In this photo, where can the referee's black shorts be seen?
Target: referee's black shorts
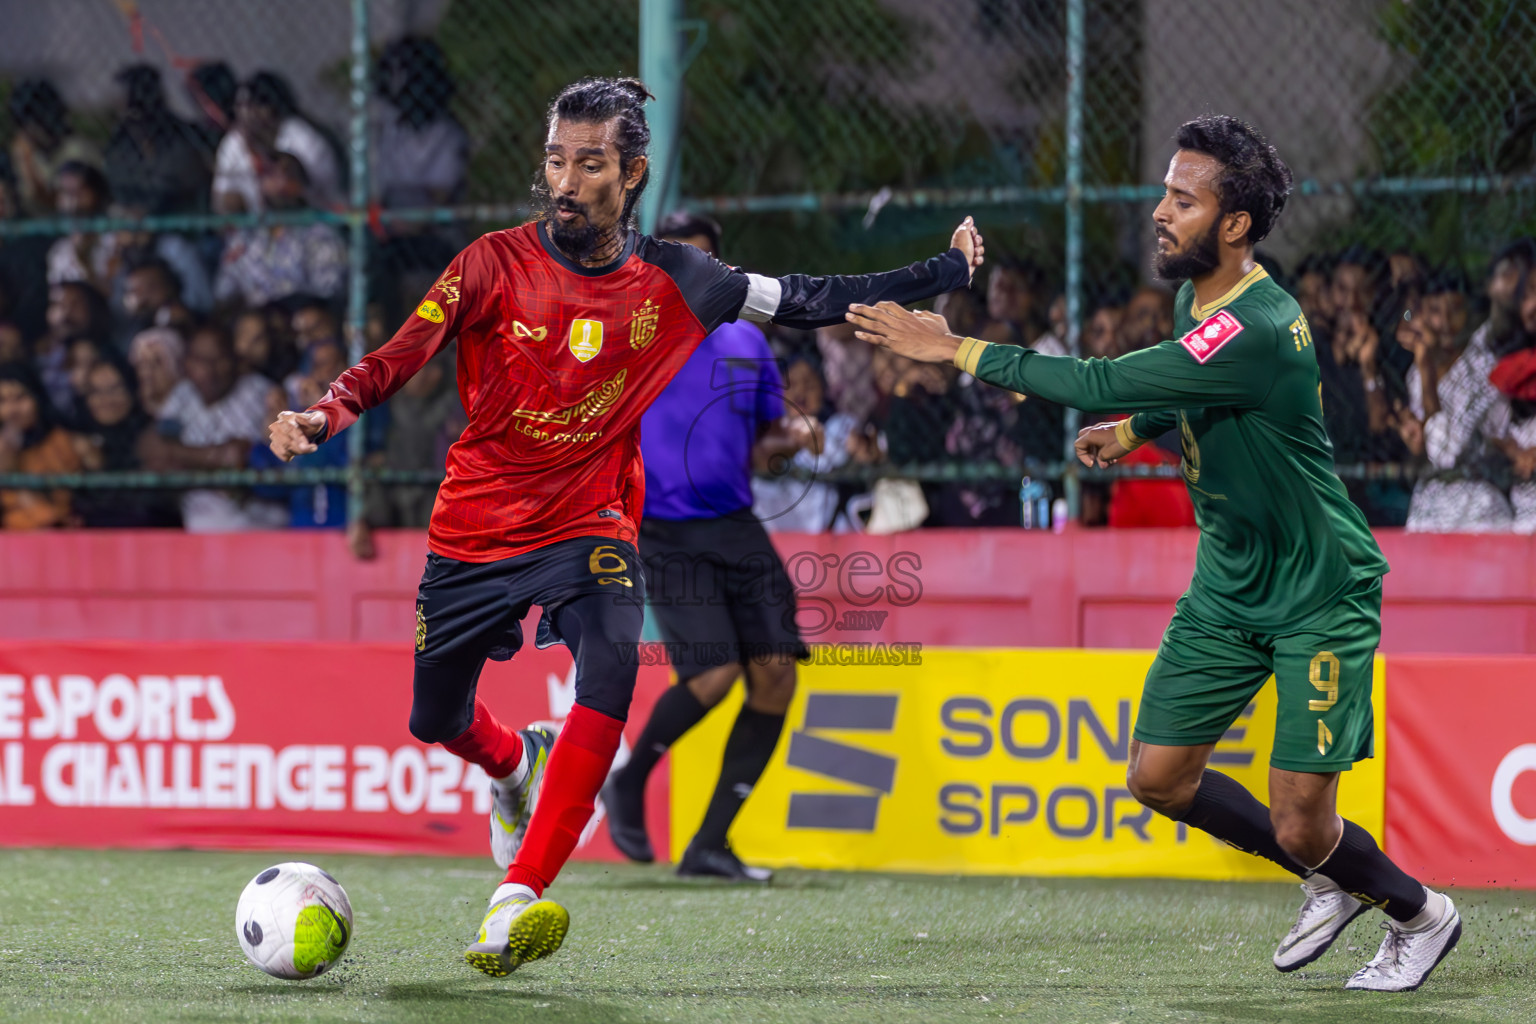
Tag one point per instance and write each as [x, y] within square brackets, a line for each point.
[719, 593]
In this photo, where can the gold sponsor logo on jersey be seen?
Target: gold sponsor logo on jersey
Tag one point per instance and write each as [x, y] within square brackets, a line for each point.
[642, 328]
[449, 286]
[430, 310]
[586, 338]
[591, 405]
[522, 330]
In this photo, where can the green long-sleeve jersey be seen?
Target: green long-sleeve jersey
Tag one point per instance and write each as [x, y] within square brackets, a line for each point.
[1280, 541]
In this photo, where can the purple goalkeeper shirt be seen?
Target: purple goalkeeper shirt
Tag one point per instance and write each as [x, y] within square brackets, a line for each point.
[697, 437]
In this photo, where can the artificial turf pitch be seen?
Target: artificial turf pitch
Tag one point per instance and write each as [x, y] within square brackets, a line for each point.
[118, 936]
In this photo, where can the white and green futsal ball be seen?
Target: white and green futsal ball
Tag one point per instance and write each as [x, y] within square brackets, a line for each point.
[294, 921]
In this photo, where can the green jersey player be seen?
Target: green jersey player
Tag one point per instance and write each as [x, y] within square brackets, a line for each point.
[1287, 579]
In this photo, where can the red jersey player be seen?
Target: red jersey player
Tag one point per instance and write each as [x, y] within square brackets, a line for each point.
[568, 327]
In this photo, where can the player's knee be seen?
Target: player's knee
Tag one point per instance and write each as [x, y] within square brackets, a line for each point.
[710, 686]
[1307, 837]
[1290, 834]
[605, 682]
[771, 686]
[1167, 795]
[437, 725]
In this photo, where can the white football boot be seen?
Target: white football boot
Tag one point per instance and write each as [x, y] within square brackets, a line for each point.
[512, 805]
[1406, 957]
[517, 929]
[1323, 917]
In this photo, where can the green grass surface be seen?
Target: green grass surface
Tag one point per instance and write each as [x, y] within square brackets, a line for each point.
[112, 936]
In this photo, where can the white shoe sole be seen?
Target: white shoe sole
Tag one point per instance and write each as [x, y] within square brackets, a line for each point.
[535, 934]
[1444, 952]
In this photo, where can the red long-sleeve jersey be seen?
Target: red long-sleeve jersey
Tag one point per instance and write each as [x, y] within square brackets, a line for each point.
[557, 362]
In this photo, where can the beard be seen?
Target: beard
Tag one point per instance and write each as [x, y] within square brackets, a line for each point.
[1202, 257]
[578, 240]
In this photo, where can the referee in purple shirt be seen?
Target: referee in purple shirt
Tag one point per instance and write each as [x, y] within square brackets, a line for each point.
[714, 583]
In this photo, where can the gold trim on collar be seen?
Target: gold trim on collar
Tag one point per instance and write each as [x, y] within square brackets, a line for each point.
[1200, 312]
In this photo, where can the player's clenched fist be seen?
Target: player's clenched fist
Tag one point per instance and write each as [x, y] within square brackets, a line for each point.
[292, 433]
[1099, 446]
[967, 238]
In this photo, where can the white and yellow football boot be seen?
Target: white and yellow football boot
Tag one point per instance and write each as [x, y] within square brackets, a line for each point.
[517, 929]
[512, 804]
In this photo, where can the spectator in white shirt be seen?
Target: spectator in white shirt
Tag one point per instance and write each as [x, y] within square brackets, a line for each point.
[1446, 416]
[210, 421]
[421, 150]
[1512, 420]
[268, 122]
[268, 263]
[81, 190]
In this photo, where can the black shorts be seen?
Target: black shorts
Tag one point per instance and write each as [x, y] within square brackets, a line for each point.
[719, 593]
[467, 612]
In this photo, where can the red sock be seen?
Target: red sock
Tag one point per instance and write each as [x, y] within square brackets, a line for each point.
[489, 744]
[577, 767]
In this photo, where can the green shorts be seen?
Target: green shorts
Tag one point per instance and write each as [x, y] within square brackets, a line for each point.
[1205, 675]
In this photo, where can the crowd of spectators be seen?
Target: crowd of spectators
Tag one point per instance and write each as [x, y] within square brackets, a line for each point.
[166, 351]
[1423, 370]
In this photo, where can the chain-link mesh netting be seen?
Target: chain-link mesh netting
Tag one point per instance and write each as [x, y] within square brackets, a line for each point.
[825, 135]
[1408, 128]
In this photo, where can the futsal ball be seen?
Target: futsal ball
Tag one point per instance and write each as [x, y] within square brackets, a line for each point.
[294, 921]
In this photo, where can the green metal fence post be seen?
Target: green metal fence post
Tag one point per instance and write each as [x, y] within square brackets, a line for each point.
[1074, 212]
[357, 257]
[661, 68]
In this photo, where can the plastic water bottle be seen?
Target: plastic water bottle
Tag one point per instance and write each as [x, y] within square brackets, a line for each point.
[1035, 504]
[1059, 515]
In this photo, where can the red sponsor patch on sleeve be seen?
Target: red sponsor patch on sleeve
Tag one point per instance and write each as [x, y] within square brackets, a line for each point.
[1206, 340]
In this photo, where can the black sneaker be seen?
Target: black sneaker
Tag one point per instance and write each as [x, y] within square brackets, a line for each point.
[703, 862]
[626, 821]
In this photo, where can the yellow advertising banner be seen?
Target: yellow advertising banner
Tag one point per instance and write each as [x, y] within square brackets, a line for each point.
[983, 762]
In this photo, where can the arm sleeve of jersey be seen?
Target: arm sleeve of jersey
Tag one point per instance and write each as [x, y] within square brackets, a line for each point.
[1149, 426]
[804, 302]
[452, 302]
[718, 293]
[1160, 378]
[713, 291]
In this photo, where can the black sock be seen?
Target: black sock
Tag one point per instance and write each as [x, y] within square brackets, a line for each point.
[1362, 870]
[677, 711]
[1229, 812]
[747, 753]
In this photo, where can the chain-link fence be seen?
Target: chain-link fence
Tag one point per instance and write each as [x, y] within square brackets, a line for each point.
[835, 135]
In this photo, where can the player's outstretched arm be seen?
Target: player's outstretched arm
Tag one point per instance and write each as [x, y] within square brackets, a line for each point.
[805, 302]
[921, 336]
[1166, 376]
[451, 304]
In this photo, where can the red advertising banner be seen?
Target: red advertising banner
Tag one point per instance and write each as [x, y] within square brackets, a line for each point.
[1461, 769]
[258, 746]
